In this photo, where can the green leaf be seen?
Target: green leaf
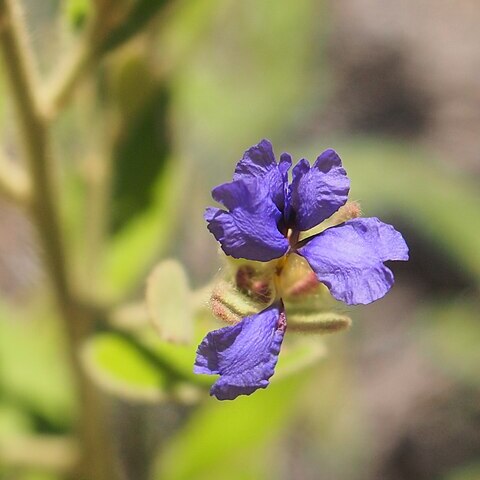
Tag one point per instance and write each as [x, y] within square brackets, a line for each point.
[140, 157]
[142, 369]
[224, 432]
[142, 12]
[124, 370]
[131, 251]
[134, 85]
[77, 12]
[169, 302]
[34, 369]
[13, 421]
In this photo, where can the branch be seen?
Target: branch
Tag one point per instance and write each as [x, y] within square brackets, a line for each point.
[60, 88]
[21, 75]
[112, 24]
[96, 455]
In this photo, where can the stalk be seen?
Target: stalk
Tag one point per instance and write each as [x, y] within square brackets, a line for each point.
[96, 459]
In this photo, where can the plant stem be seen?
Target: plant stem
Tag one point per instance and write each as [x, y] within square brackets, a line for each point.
[19, 70]
[62, 86]
[96, 457]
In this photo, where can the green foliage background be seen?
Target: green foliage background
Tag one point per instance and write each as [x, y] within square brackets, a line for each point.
[181, 89]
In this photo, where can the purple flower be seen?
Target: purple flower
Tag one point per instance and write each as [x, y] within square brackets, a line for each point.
[244, 354]
[264, 219]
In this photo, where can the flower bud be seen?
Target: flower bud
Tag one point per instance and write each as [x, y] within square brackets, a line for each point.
[318, 322]
[249, 283]
[229, 304]
[297, 279]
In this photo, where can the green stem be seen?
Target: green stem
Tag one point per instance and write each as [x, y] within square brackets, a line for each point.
[96, 457]
[19, 70]
[60, 89]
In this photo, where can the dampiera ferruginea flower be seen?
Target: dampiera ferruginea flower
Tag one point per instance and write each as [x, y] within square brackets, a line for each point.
[269, 219]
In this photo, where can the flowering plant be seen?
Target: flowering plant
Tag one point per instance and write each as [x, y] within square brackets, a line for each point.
[306, 222]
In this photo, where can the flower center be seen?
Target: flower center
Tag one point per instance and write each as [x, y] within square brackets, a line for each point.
[296, 277]
[288, 277]
[292, 237]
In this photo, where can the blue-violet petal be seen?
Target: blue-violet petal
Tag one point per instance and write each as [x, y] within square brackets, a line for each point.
[317, 192]
[349, 258]
[244, 355]
[250, 229]
[259, 162]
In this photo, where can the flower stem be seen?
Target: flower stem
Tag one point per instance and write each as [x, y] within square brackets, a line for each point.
[62, 85]
[96, 456]
[60, 89]
[19, 70]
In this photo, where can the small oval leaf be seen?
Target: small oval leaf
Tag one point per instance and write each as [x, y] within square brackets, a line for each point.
[122, 370]
[142, 369]
[169, 302]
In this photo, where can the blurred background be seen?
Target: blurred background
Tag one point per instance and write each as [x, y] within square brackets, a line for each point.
[166, 97]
